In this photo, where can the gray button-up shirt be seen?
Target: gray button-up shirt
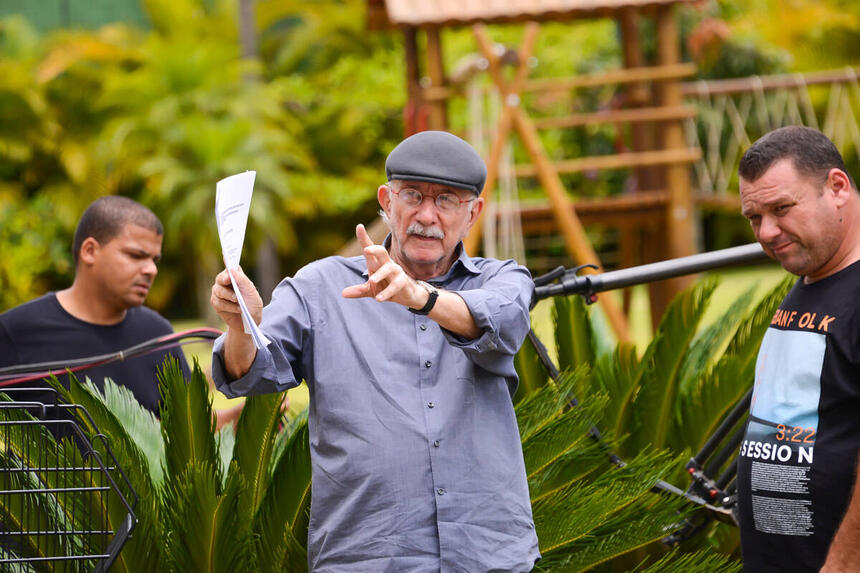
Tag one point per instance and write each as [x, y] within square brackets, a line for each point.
[417, 463]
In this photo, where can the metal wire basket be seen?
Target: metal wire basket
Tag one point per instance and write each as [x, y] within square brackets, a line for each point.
[65, 503]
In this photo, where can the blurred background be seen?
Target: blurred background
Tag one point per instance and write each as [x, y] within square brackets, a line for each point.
[159, 99]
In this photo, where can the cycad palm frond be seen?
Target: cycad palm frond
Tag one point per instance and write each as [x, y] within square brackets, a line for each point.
[575, 340]
[698, 562]
[586, 523]
[537, 410]
[141, 425]
[654, 405]
[708, 345]
[209, 531]
[530, 370]
[148, 533]
[187, 424]
[281, 524]
[255, 438]
[616, 374]
[718, 389]
[748, 336]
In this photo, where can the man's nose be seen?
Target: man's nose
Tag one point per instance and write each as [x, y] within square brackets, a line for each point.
[427, 208]
[768, 230]
[150, 269]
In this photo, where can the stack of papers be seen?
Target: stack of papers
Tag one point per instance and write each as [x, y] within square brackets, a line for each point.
[232, 203]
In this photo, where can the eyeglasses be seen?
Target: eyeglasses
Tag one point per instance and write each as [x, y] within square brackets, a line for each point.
[447, 202]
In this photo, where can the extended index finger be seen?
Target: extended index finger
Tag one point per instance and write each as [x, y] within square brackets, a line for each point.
[362, 236]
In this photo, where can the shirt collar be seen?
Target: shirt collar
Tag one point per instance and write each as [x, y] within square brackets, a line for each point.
[463, 261]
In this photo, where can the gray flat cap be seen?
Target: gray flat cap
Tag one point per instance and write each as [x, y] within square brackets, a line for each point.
[437, 157]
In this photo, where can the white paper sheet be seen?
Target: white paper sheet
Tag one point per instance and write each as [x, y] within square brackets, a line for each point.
[232, 203]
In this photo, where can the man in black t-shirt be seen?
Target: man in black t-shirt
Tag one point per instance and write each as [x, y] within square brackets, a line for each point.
[797, 465]
[117, 245]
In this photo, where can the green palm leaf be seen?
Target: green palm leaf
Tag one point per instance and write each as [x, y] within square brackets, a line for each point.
[655, 401]
[187, 424]
[255, 437]
[718, 390]
[210, 533]
[530, 371]
[282, 520]
[699, 562]
[537, 410]
[143, 547]
[574, 338]
[709, 344]
[617, 374]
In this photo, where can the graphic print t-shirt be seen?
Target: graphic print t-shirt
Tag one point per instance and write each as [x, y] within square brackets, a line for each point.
[796, 465]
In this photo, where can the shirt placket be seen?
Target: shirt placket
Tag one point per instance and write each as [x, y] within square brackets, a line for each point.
[430, 399]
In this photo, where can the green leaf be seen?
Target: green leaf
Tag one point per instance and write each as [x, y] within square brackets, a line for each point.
[282, 520]
[573, 332]
[187, 423]
[255, 437]
[659, 379]
[210, 533]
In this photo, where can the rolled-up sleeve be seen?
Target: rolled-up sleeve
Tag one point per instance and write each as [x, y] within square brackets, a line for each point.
[279, 366]
[500, 308]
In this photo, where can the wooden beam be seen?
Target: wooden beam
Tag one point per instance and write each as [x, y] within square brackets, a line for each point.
[638, 115]
[680, 156]
[609, 77]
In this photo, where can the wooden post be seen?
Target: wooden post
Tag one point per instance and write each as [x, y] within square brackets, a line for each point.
[638, 95]
[436, 72]
[679, 212]
[414, 101]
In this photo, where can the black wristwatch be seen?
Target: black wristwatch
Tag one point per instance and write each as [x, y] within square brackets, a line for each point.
[431, 301]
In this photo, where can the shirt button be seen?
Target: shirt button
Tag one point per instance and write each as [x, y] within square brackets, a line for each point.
[428, 364]
[440, 491]
[422, 327]
[430, 404]
[436, 443]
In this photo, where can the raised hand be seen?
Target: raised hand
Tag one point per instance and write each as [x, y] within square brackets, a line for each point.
[387, 281]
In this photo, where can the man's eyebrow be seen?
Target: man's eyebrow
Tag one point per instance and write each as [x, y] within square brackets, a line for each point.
[142, 252]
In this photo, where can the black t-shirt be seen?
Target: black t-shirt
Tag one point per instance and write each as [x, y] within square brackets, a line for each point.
[797, 462]
[42, 331]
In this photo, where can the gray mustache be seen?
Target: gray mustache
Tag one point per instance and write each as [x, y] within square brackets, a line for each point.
[422, 231]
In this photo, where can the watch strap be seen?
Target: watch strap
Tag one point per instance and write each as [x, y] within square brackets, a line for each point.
[431, 300]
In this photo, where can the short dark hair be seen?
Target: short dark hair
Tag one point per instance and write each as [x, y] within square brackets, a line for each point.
[811, 152]
[106, 217]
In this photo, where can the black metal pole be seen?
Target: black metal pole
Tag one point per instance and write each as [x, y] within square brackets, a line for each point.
[590, 284]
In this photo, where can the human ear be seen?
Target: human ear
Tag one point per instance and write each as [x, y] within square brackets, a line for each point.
[475, 211]
[840, 186]
[89, 250]
[383, 195]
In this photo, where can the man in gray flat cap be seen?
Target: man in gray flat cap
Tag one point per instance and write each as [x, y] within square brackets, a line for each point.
[408, 355]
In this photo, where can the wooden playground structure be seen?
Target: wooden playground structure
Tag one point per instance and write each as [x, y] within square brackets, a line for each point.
[674, 160]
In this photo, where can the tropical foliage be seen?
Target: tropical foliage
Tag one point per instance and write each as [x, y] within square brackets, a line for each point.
[224, 502]
[672, 397]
